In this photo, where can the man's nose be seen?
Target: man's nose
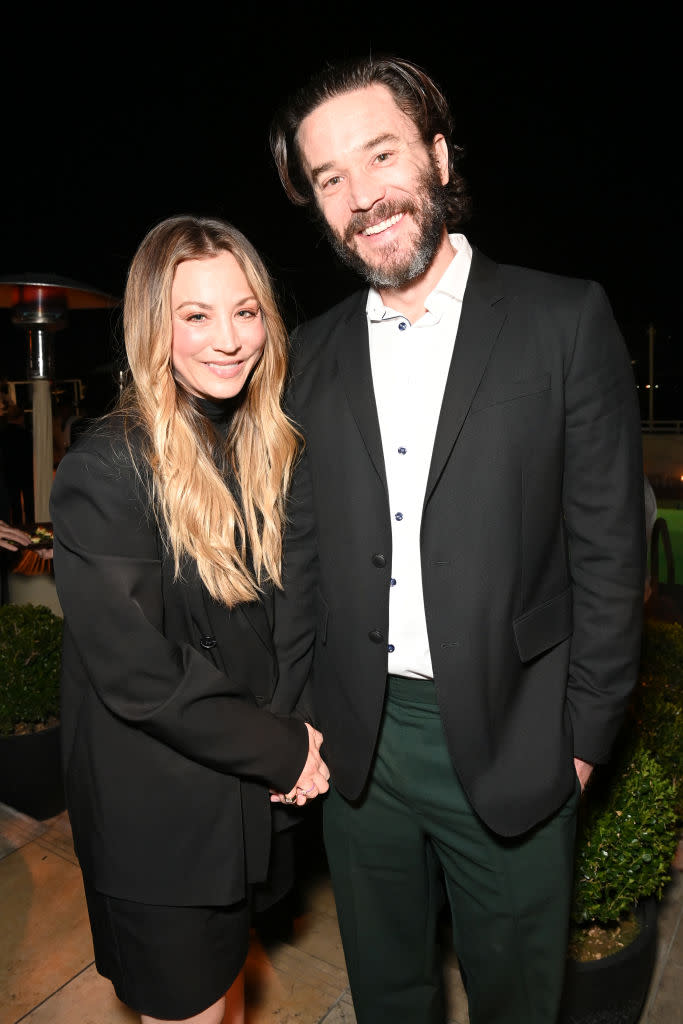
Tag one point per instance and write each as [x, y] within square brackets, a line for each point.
[364, 190]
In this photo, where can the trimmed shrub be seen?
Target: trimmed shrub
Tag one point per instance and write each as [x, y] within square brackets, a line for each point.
[629, 820]
[627, 839]
[30, 663]
[656, 712]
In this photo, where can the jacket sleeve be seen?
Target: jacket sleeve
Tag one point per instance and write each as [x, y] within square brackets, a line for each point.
[295, 605]
[294, 626]
[109, 581]
[604, 515]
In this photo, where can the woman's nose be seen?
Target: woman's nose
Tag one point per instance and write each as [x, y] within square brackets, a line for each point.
[225, 339]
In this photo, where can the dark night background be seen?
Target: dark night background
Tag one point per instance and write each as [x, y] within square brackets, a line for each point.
[569, 133]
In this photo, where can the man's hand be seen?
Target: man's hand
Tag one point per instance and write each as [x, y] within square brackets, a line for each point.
[11, 538]
[584, 771]
[314, 778]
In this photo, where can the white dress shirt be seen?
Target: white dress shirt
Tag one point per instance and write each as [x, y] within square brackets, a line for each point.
[410, 363]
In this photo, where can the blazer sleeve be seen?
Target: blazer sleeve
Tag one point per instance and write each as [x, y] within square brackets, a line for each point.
[295, 606]
[294, 627]
[604, 516]
[109, 581]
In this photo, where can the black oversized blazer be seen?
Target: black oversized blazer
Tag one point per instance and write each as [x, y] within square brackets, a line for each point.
[168, 745]
[532, 541]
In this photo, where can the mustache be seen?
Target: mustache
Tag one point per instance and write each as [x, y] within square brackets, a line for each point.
[361, 221]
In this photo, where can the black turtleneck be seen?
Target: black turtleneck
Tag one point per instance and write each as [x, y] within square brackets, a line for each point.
[218, 411]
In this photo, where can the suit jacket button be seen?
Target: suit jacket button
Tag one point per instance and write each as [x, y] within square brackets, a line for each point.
[208, 641]
[376, 636]
[379, 561]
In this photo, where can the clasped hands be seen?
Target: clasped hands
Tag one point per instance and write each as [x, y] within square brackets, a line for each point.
[314, 778]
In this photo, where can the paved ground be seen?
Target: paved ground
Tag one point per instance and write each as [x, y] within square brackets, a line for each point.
[295, 970]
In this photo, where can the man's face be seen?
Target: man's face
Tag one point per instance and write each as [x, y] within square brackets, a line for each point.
[379, 189]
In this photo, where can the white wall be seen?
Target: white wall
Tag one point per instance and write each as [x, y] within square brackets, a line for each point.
[34, 590]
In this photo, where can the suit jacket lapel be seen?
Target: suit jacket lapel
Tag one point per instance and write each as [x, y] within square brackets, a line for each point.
[353, 360]
[255, 614]
[225, 625]
[482, 317]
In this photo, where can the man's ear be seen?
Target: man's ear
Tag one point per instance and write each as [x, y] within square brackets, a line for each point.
[441, 157]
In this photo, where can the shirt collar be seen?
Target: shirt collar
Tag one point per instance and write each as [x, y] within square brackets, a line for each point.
[450, 288]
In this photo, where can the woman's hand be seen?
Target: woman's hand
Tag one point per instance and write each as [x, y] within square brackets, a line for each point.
[314, 778]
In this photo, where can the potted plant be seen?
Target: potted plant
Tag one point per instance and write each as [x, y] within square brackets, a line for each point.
[629, 826]
[30, 662]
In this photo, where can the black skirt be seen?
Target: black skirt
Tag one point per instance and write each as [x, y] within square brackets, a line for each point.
[168, 962]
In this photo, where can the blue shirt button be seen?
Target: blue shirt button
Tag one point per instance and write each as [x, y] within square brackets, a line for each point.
[398, 516]
[392, 582]
[402, 326]
[391, 648]
[402, 451]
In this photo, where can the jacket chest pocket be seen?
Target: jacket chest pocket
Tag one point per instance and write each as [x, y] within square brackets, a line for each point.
[511, 391]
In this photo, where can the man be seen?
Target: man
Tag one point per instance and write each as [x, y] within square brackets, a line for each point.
[467, 529]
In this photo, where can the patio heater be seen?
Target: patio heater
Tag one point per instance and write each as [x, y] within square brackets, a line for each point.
[39, 304]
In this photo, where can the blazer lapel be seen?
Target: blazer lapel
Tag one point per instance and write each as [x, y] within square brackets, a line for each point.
[254, 616]
[236, 631]
[483, 315]
[353, 360]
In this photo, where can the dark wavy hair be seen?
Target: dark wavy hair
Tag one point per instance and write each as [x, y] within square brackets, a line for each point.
[415, 93]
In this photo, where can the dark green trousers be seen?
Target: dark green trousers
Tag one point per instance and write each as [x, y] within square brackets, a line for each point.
[414, 836]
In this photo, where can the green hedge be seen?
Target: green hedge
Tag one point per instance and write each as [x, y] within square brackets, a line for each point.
[627, 841]
[630, 817]
[30, 663]
[656, 711]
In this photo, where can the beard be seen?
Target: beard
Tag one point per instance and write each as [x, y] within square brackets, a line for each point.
[396, 268]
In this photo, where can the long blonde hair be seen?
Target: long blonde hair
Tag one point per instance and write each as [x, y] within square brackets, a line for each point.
[236, 542]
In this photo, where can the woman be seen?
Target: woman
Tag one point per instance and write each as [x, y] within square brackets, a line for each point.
[168, 521]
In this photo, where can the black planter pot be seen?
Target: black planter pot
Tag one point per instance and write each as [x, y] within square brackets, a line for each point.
[31, 774]
[613, 990]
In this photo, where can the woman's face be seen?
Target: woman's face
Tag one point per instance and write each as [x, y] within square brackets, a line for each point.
[218, 330]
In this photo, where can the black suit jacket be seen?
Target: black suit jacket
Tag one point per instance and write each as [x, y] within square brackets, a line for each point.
[532, 541]
[168, 745]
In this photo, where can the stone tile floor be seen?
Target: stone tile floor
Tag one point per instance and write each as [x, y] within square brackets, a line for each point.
[295, 970]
